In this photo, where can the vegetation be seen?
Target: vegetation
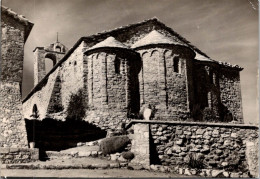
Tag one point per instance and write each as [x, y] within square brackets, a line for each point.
[195, 161]
[114, 144]
[128, 155]
[77, 106]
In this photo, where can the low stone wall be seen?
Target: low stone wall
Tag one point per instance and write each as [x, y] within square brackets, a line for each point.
[219, 146]
[18, 155]
[107, 119]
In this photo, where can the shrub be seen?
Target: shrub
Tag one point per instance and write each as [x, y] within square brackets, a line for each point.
[77, 106]
[128, 155]
[208, 115]
[114, 144]
[195, 161]
[196, 113]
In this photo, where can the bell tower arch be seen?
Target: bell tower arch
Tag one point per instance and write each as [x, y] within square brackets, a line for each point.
[54, 52]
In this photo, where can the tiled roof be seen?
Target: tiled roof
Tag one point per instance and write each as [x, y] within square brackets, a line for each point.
[154, 37]
[109, 42]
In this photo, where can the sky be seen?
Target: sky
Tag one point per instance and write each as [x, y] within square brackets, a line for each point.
[226, 30]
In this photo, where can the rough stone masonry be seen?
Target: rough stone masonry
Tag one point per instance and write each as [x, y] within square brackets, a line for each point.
[123, 69]
[13, 137]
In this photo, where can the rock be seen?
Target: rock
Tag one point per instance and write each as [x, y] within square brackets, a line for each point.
[224, 164]
[169, 151]
[208, 172]
[181, 171]
[215, 133]
[193, 171]
[215, 173]
[179, 142]
[234, 175]
[114, 157]
[187, 172]
[122, 159]
[155, 167]
[84, 153]
[226, 174]
[234, 135]
[179, 131]
[176, 149]
[200, 131]
[114, 165]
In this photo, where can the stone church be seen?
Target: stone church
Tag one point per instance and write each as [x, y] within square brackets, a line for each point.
[121, 70]
[113, 76]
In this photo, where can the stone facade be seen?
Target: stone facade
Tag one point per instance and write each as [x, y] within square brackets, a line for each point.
[143, 63]
[18, 155]
[227, 147]
[15, 30]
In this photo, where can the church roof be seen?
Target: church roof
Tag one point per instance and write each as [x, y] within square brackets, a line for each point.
[154, 37]
[110, 42]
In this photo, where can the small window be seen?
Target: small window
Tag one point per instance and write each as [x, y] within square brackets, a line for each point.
[58, 49]
[117, 65]
[209, 100]
[75, 63]
[176, 65]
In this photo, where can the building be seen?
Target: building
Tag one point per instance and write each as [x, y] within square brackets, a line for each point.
[122, 69]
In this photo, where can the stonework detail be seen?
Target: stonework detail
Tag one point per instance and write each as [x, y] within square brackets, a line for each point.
[15, 30]
[141, 64]
[219, 146]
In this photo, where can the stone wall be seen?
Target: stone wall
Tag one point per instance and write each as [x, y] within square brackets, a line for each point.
[12, 53]
[230, 88]
[12, 125]
[164, 81]
[221, 146]
[58, 87]
[18, 155]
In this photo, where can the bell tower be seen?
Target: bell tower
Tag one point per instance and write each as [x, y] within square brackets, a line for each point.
[55, 52]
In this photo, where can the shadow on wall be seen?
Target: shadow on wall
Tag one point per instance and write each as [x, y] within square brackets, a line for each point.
[53, 135]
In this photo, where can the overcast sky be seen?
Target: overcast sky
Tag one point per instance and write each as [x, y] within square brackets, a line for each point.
[226, 30]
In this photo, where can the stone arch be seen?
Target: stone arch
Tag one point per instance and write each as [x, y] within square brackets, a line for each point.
[48, 65]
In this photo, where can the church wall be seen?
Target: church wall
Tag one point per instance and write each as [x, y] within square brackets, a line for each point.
[71, 75]
[112, 87]
[63, 82]
[41, 98]
[163, 87]
[230, 88]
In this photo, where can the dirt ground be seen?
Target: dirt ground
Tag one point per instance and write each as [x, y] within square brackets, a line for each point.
[85, 173]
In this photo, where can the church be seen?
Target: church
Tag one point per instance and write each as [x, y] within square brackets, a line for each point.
[121, 70]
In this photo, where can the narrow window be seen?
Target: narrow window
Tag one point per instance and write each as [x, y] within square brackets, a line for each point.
[209, 100]
[117, 65]
[176, 65]
[75, 63]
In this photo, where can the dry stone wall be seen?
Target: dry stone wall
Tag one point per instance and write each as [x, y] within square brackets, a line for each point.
[220, 146]
[18, 155]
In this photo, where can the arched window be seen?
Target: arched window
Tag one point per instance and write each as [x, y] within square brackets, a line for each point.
[35, 112]
[58, 49]
[176, 65]
[117, 65]
[50, 61]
